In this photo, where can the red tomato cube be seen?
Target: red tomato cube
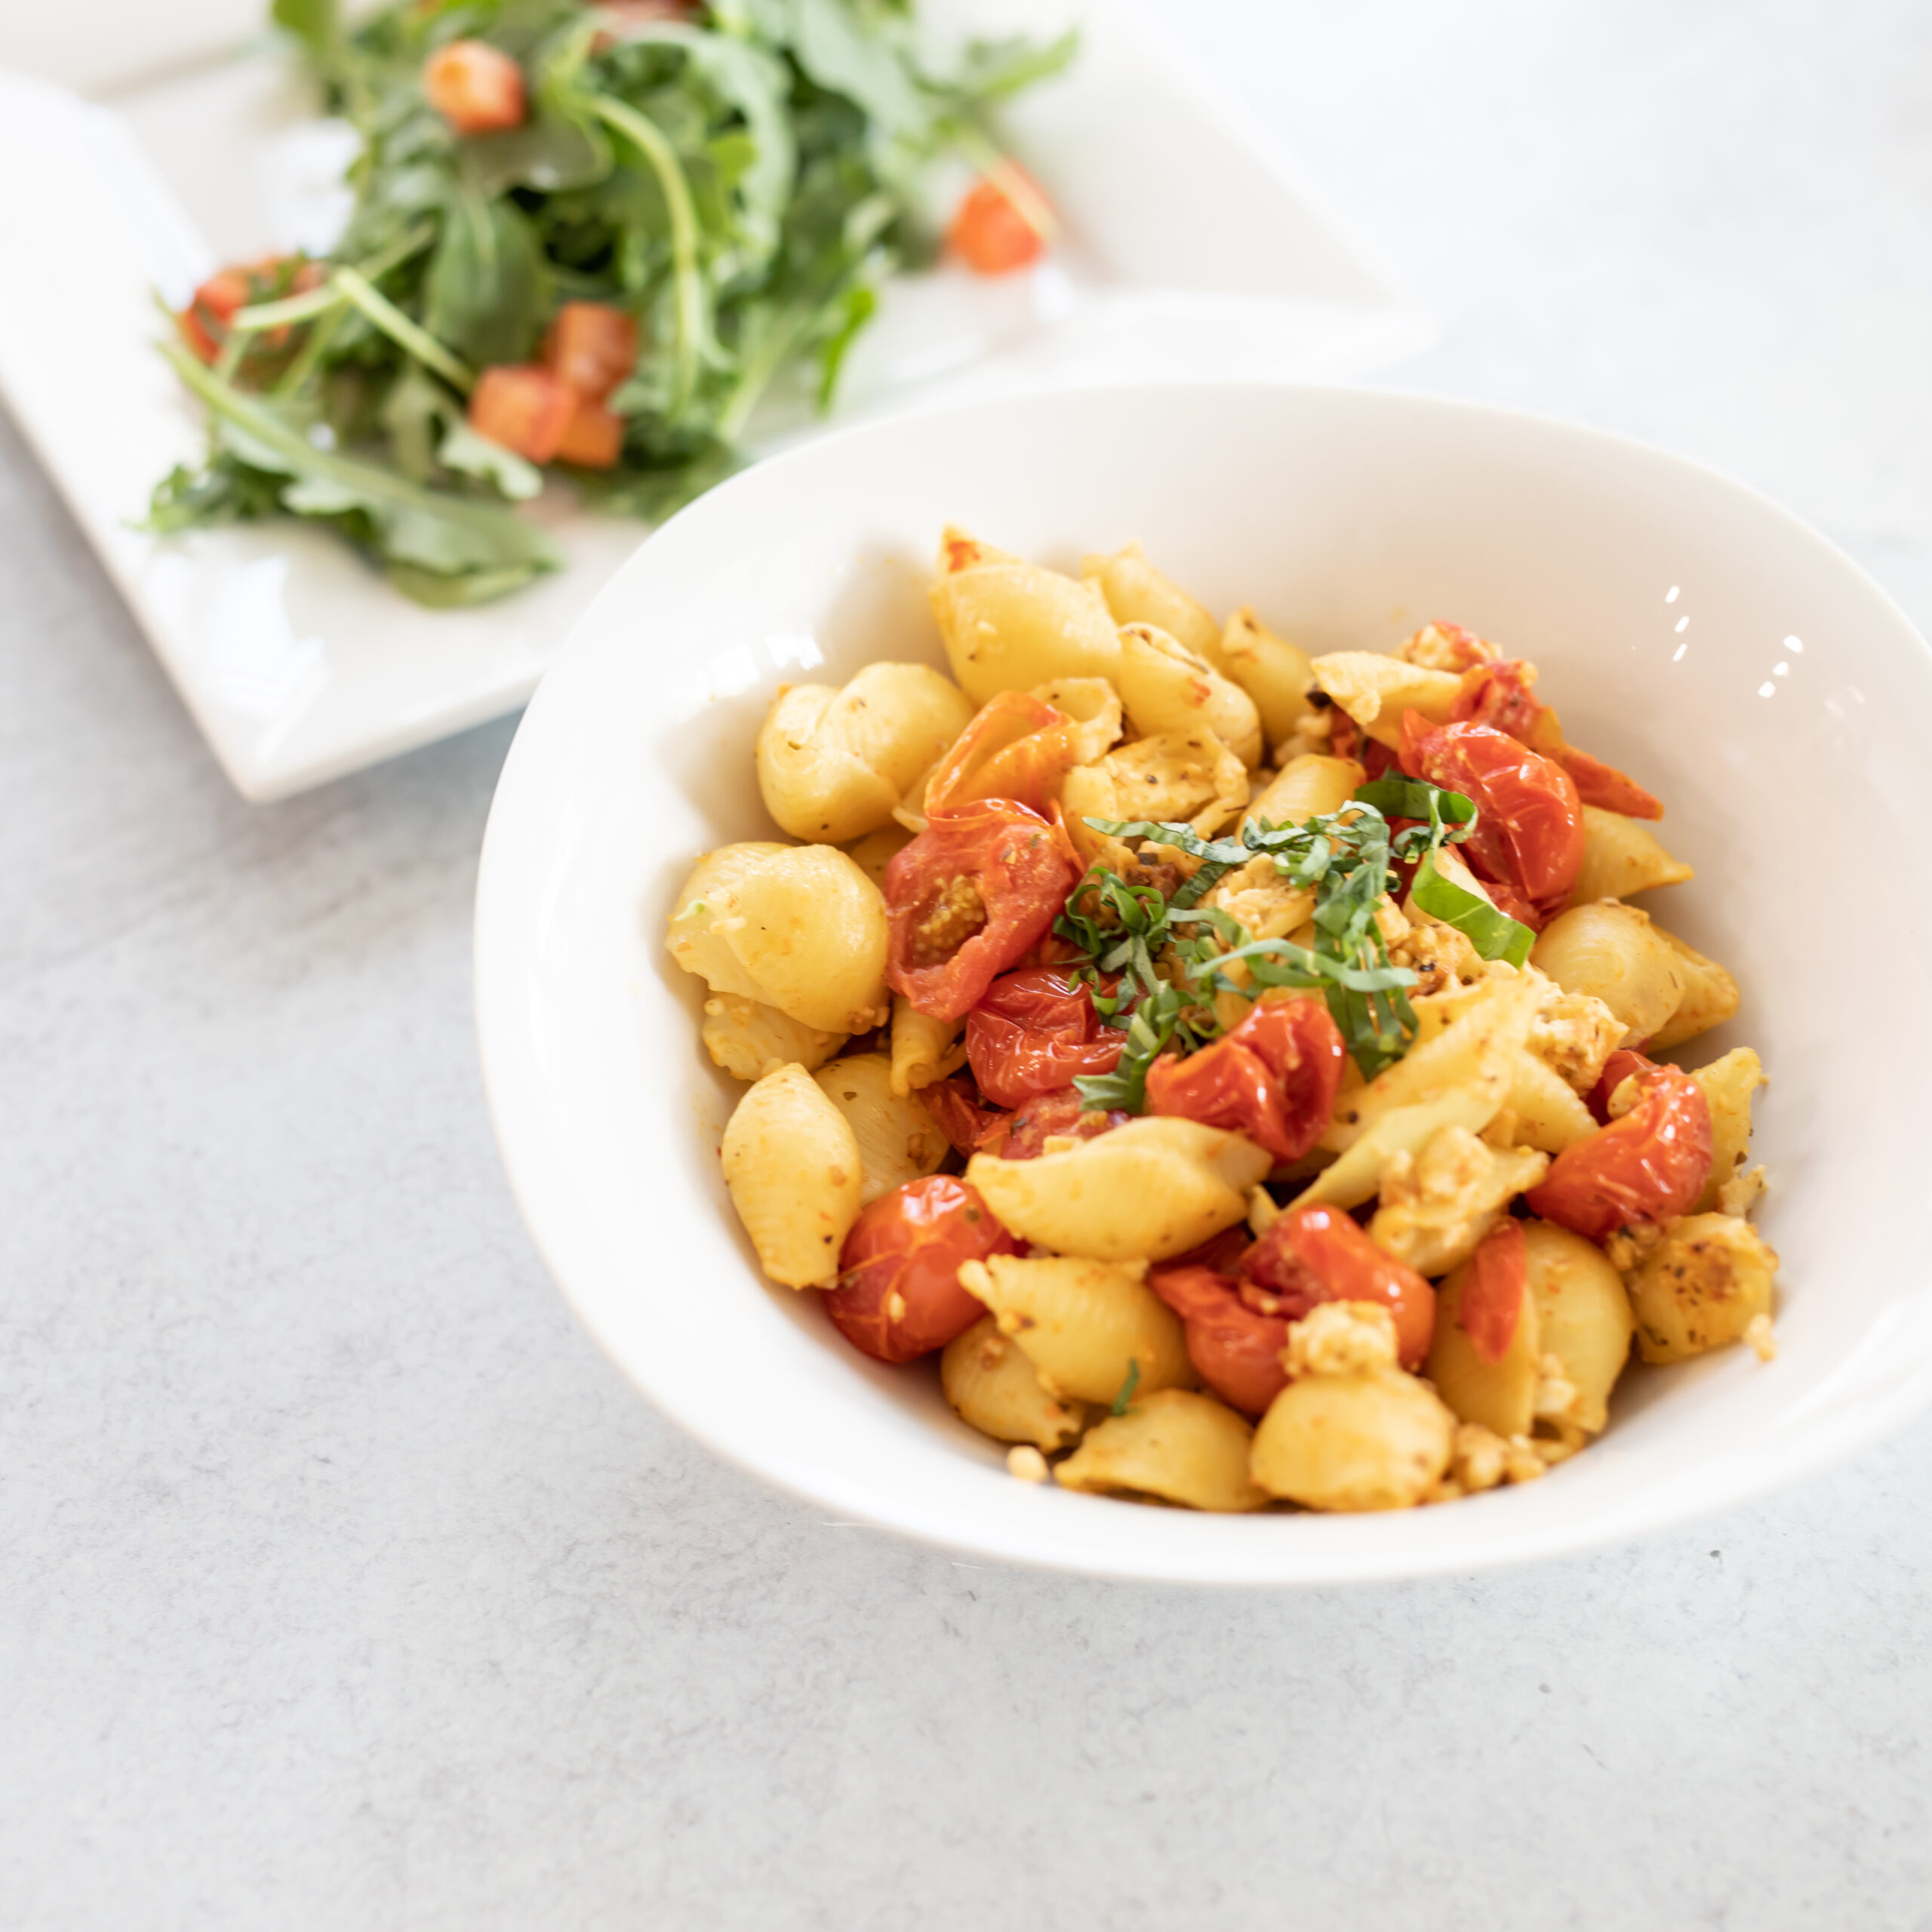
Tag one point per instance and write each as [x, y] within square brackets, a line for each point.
[594, 437]
[591, 347]
[522, 406]
[475, 88]
[1003, 224]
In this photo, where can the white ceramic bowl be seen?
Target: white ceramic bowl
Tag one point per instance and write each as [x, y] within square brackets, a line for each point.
[1687, 629]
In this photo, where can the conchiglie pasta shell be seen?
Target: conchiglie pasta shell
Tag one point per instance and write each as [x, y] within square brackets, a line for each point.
[1137, 593]
[1584, 1316]
[1166, 687]
[1501, 1396]
[872, 854]
[1375, 690]
[792, 1163]
[898, 1141]
[1094, 707]
[1701, 1287]
[1622, 855]
[800, 928]
[1084, 1325]
[1710, 996]
[833, 765]
[1009, 626]
[1152, 1188]
[993, 1388]
[1612, 952]
[1377, 1440]
[1309, 786]
[1177, 775]
[1549, 1115]
[1274, 673]
[924, 1048]
[1728, 1085]
[749, 1039]
[1182, 1446]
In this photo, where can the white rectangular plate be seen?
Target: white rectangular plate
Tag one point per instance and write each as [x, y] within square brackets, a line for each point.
[1189, 249]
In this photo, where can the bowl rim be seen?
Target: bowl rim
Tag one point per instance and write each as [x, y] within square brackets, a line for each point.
[1722, 1482]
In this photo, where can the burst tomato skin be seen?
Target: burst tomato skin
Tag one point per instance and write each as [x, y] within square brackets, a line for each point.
[1318, 1254]
[1036, 1030]
[1017, 748]
[1529, 829]
[1495, 1290]
[1273, 1077]
[1648, 1166]
[899, 1296]
[1501, 693]
[1006, 870]
[1235, 1350]
[1023, 1135]
[992, 232]
[954, 1105]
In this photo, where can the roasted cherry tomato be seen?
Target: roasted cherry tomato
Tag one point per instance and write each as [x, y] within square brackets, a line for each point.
[1648, 1166]
[954, 1105]
[1273, 1077]
[899, 1295]
[1004, 223]
[1501, 694]
[1495, 1289]
[477, 89]
[1314, 1254]
[967, 897]
[1036, 1030]
[1023, 1135]
[1529, 828]
[1018, 747]
[591, 347]
[1235, 1350]
[1607, 789]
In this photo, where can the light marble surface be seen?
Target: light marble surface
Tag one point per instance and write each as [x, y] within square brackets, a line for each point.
[345, 1586]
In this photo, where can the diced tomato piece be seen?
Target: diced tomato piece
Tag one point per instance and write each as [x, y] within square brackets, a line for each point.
[591, 347]
[525, 407]
[593, 437]
[476, 87]
[203, 323]
[1004, 223]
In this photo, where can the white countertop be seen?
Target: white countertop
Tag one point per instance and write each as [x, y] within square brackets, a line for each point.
[345, 1585]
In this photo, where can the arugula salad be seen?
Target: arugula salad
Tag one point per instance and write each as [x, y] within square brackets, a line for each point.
[586, 240]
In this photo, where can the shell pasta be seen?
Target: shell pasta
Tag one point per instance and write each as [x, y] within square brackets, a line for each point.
[1245, 1072]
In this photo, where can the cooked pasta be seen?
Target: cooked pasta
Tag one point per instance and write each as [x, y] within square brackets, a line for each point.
[1167, 687]
[1008, 626]
[1173, 1445]
[1137, 593]
[1089, 1328]
[833, 765]
[1241, 1070]
[898, 1140]
[792, 1164]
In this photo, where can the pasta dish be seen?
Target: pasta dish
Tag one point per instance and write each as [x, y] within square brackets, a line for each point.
[1247, 1072]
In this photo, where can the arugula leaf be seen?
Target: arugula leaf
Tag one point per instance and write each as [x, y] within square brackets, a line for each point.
[487, 290]
[1493, 933]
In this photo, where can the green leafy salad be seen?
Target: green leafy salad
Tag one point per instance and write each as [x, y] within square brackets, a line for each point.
[1170, 953]
[585, 239]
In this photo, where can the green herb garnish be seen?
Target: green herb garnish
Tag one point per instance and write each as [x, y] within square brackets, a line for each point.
[1493, 933]
[1127, 1387]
